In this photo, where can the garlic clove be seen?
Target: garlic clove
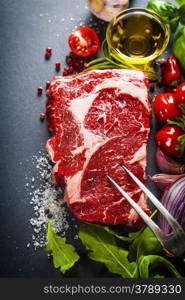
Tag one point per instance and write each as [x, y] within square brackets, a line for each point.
[107, 9]
[96, 5]
[164, 181]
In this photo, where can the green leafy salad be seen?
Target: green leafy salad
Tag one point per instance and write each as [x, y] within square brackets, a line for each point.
[136, 255]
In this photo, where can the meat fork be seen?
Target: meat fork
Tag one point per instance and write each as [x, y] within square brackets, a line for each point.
[173, 243]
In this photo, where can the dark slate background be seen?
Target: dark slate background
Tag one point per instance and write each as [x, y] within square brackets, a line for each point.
[27, 27]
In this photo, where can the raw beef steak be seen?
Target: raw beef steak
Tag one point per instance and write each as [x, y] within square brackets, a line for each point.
[99, 120]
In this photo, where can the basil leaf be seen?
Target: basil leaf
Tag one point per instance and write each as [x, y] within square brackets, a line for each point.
[167, 11]
[64, 255]
[174, 23]
[178, 48]
[156, 266]
[182, 14]
[103, 248]
[180, 2]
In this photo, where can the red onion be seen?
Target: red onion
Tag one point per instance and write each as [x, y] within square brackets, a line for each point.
[164, 181]
[168, 165]
[174, 201]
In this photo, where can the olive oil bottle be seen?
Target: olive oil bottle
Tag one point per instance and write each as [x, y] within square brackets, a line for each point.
[137, 36]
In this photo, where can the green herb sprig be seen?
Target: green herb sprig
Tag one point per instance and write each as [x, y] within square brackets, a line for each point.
[112, 61]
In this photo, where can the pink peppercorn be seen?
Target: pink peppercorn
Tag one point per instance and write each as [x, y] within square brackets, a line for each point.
[47, 84]
[48, 49]
[48, 52]
[57, 65]
[42, 116]
[39, 90]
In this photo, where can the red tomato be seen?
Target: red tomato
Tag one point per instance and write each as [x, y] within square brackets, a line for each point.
[165, 107]
[167, 140]
[180, 94]
[84, 41]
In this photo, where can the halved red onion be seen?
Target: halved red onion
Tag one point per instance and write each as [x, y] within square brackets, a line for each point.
[174, 201]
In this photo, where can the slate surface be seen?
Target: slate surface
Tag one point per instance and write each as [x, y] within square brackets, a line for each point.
[26, 29]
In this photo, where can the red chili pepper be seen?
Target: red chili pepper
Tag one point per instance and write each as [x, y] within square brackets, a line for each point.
[165, 107]
[171, 72]
[180, 94]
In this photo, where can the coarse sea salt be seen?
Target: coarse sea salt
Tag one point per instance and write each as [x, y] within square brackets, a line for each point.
[47, 201]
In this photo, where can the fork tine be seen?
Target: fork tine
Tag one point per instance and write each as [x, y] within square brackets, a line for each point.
[153, 226]
[174, 224]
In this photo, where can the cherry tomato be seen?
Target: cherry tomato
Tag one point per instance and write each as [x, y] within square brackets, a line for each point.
[84, 41]
[165, 107]
[180, 94]
[167, 140]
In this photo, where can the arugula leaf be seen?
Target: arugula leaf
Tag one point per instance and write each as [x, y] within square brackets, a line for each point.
[118, 236]
[144, 243]
[154, 263]
[64, 255]
[142, 249]
[103, 248]
[140, 261]
[167, 11]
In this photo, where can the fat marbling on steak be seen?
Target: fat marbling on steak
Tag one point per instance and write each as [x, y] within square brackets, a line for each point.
[99, 120]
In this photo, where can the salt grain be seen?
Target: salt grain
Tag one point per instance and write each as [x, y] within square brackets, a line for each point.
[46, 197]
